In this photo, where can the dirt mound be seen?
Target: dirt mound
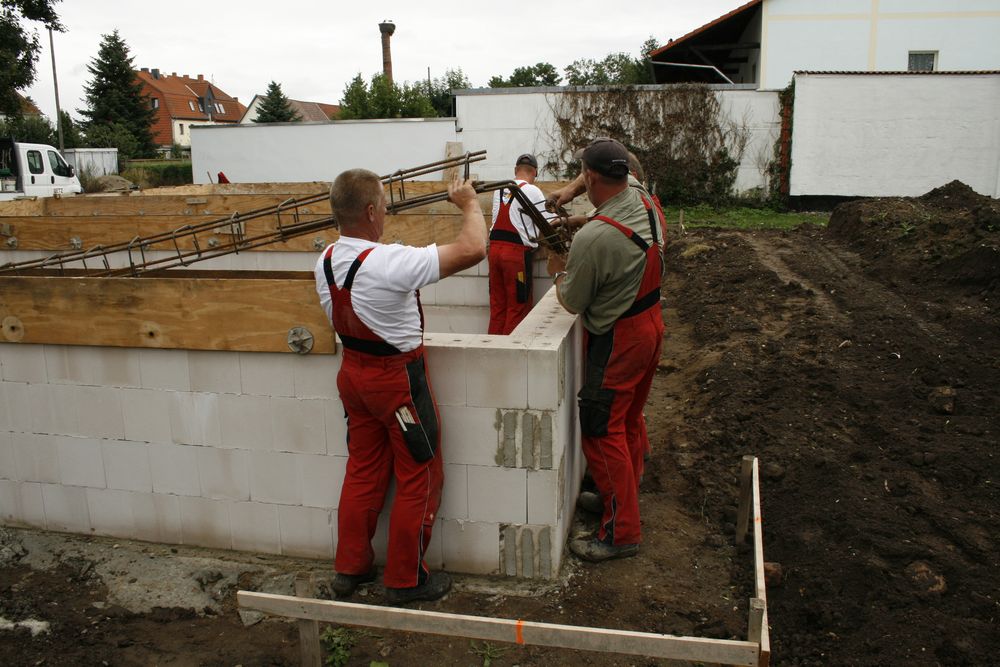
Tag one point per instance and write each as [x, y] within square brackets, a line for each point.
[950, 235]
[113, 183]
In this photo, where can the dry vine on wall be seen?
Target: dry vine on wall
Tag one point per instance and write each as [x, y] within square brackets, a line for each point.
[688, 147]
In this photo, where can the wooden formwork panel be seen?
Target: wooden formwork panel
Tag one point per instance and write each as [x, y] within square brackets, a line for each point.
[196, 312]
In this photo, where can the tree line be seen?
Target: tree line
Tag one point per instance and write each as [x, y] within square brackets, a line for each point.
[118, 114]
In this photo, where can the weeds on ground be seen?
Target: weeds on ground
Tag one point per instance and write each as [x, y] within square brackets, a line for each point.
[488, 652]
[338, 643]
[743, 217]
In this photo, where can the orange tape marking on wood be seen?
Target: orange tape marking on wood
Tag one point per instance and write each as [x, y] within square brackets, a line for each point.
[519, 638]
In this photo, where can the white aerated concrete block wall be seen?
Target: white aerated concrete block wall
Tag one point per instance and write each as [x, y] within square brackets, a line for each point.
[248, 451]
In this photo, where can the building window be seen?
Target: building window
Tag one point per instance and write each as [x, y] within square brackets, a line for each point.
[200, 107]
[922, 61]
[219, 107]
[155, 103]
[182, 128]
[191, 104]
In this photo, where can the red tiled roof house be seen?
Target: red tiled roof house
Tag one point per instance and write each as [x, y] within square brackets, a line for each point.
[181, 101]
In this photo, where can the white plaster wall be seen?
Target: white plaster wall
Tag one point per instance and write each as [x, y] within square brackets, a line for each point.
[508, 122]
[96, 161]
[304, 152]
[870, 35]
[895, 135]
[247, 451]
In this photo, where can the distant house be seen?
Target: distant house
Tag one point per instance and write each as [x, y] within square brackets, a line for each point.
[309, 112]
[182, 101]
[763, 42]
[28, 107]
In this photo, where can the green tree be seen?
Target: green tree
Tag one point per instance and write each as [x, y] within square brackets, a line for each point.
[114, 96]
[540, 74]
[440, 89]
[384, 99]
[114, 135]
[19, 49]
[616, 69]
[275, 108]
[72, 138]
[29, 128]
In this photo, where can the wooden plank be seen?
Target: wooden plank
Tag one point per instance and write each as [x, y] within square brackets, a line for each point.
[721, 651]
[746, 496]
[181, 313]
[308, 630]
[760, 591]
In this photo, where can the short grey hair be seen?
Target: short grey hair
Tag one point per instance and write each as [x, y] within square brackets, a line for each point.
[351, 193]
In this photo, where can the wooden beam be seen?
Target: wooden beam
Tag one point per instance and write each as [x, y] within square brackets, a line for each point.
[720, 651]
[760, 591]
[308, 630]
[746, 496]
[245, 315]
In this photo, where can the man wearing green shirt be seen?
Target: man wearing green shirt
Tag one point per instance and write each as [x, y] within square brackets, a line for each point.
[612, 279]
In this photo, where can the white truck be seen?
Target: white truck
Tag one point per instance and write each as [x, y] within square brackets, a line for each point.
[34, 170]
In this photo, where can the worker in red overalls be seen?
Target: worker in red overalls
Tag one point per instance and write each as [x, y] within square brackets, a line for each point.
[512, 246]
[612, 279]
[369, 292]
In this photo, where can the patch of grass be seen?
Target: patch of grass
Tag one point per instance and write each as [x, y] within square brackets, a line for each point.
[743, 217]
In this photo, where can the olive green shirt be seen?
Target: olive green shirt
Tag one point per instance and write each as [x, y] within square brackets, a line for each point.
[605, 267]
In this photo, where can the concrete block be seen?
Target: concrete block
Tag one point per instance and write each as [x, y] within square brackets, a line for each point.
[477, 292]
[205, 523]
[306, 532]
[156, 517]
[57, 364]
[52, 409]
[175, 469]
[314, 375]
[5, 421]
[23, 363]
[126, 465]
[164, 369]
[446, 368]
[544, 382]
[470, 435]
[336, 427]
[544, 497]
[99, 366]
[428, 295]
[527, 554]
[500, 495]
[181, 413]
[99, 412]
[546, 440]
[8, 469]
[299, 425]
[207, 420]
[509, 550]
[266, 374]
[80, 462]
[545, 568]
[528, 430]
[21, 503]
[450, 291]
[275, 478]
[434, 555]
[18, 406]
[246, 422]
[110, 512]
[500, 376]
[470, 546]
[36, 457]
[65, 508]
[455, 494]
[322, 478]
[224, 473]
[147, 415]
[509, 438]
[212, 371]
[255, 527]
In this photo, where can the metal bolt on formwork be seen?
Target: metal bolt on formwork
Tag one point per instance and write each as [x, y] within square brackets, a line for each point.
[12, 242]
[76, 243]
[318, 243]
[213, 242]
[300, 340]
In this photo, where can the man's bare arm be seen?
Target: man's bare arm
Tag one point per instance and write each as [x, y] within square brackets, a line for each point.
[469, 247]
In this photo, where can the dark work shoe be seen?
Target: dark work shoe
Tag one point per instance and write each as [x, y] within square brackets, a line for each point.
[437, 584]
[591, 502]
[344, 585]
[596, 551]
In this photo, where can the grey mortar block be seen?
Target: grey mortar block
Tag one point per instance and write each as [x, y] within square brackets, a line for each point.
[527, 553]
[544, 553]
[545, 442]
[510, 550]
[528, 440]
[510, 440]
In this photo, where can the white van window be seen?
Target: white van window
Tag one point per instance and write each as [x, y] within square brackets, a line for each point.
[35, 165]
[59, 166]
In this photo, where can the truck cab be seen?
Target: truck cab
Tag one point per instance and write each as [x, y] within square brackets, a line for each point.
[34, 170]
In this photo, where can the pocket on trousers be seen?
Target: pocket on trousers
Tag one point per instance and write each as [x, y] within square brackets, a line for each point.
[524, 279]
[595, 410]
[418, 420]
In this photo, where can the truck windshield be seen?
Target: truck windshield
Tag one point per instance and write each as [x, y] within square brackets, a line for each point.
[35, 165]
[59, 166]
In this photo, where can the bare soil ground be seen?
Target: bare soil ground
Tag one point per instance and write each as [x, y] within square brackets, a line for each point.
[859, 362]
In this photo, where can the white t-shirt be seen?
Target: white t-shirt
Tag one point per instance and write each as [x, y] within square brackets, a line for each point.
[522, 223]
[383, 290]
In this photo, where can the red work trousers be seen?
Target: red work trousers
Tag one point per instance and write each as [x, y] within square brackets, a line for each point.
[375, 390]
[618, 372]
[510, 286]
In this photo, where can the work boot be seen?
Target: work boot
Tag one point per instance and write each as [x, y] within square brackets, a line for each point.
[588, 501]
[344, 585]
[437, 584]
[596, 551]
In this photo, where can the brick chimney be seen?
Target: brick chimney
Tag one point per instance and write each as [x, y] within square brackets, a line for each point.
[387, 28]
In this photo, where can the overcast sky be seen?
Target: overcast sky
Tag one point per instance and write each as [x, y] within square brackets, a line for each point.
[314, 48]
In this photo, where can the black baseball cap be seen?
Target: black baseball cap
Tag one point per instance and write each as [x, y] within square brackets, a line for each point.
[527, 158]
[605, 156]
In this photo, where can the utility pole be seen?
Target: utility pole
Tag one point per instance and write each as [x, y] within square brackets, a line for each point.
[55, 82]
